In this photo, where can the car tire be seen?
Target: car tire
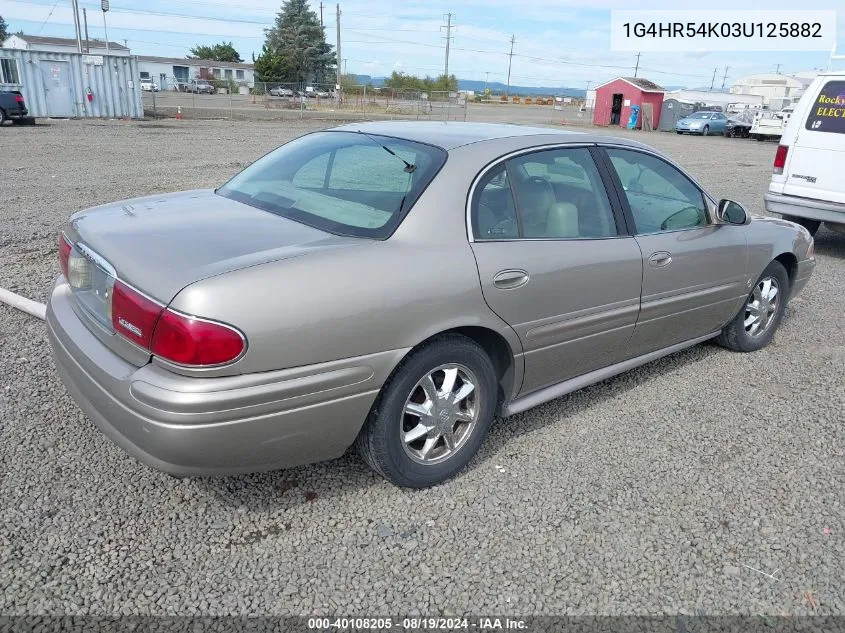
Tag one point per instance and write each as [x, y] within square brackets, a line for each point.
[743, 335]
[392, 441]
[2, 116]
[705, 131]
[811, 225]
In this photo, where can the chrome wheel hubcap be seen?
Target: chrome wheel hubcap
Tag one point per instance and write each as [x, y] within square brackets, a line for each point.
[762, 307]
[440, 414]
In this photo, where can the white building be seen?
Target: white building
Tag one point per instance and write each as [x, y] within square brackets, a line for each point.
[775, 89]
[64, 45]
[709, 98]
[168, 72]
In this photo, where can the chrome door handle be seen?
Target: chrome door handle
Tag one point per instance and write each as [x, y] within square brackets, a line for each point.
[510, 279]
[660, 259]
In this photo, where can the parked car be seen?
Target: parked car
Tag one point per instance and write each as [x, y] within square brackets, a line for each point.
[356, 287]
[739, 124]
[702, 122]
[13, 108]
[807, 186]
[278, 91]
[200, 86]
[148, 85]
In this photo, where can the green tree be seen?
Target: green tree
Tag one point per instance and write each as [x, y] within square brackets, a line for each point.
[401, 81]
[222, 52]
[295, 48]
[3, 30]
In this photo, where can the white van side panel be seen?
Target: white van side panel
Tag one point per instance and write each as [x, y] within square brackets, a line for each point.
[816, 139]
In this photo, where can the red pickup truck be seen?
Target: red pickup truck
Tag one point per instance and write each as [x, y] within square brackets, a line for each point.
[12, 107]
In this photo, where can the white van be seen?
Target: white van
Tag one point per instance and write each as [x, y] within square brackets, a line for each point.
[808, 185]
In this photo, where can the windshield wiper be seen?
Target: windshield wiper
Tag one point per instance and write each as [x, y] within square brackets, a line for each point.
[409, 167]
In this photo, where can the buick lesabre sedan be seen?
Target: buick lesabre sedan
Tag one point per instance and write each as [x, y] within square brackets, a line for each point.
[396, 286]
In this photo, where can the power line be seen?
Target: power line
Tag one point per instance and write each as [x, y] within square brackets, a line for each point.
[49, 15]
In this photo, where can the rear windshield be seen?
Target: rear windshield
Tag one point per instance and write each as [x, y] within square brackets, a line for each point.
[347, 183]
[827, 113]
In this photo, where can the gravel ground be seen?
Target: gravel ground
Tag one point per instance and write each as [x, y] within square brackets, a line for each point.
[651, 493]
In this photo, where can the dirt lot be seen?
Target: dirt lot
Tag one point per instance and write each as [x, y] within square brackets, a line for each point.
[655, 492]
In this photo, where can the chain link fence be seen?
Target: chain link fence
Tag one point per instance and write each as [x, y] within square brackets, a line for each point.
[229, 99]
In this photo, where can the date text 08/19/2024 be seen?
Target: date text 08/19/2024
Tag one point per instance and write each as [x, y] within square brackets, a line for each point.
[417, 623]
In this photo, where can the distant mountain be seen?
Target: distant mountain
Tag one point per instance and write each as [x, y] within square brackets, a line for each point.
[494, 86]
[498, 88]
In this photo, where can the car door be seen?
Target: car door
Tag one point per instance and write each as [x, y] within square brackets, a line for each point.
[718, 122]
[555, 261]
[694, 278]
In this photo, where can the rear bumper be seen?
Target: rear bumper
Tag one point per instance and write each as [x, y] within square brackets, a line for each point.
[805, 208]
[212, 426]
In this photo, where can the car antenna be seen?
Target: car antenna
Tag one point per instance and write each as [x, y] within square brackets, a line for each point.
[409, 167]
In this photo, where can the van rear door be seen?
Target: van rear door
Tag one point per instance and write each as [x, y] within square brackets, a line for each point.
[814, 162]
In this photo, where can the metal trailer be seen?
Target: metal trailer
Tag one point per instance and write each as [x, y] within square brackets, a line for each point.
[70, 85]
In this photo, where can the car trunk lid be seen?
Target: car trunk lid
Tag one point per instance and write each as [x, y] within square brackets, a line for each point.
[158, 245]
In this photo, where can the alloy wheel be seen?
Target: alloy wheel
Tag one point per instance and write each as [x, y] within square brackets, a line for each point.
[440, 414]
[762, 307]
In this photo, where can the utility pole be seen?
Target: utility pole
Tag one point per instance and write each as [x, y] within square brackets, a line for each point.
[486, 80]
[339, 87]
[713, 80]
[510, 60]
[637, 67]
[76, 25]
[725, 77]
[448, 28]
[344, 65]
[85, 17]
[777, 69]
[104, 5]
[321, 14]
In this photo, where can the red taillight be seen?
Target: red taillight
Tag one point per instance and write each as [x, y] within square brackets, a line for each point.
[18, 98]
[64, 253]
[173, 336]
[780, 158]
[133, 315]
[188, 340]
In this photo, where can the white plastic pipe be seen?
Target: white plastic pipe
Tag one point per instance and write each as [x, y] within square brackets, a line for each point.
[22, 303]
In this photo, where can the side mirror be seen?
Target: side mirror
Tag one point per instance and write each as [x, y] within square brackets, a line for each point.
[730, 212]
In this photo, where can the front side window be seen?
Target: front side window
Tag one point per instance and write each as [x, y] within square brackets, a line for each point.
[661, 198]
[347, 183]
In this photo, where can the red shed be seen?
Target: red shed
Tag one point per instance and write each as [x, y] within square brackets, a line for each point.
[615, 98]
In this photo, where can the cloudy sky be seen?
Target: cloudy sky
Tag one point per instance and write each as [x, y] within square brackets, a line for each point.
[558, 42]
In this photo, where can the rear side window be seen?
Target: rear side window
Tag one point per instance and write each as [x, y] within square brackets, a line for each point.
[827, 113]
[347, 183]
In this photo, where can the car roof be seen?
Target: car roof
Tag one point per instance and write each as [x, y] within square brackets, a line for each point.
[452, 134]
